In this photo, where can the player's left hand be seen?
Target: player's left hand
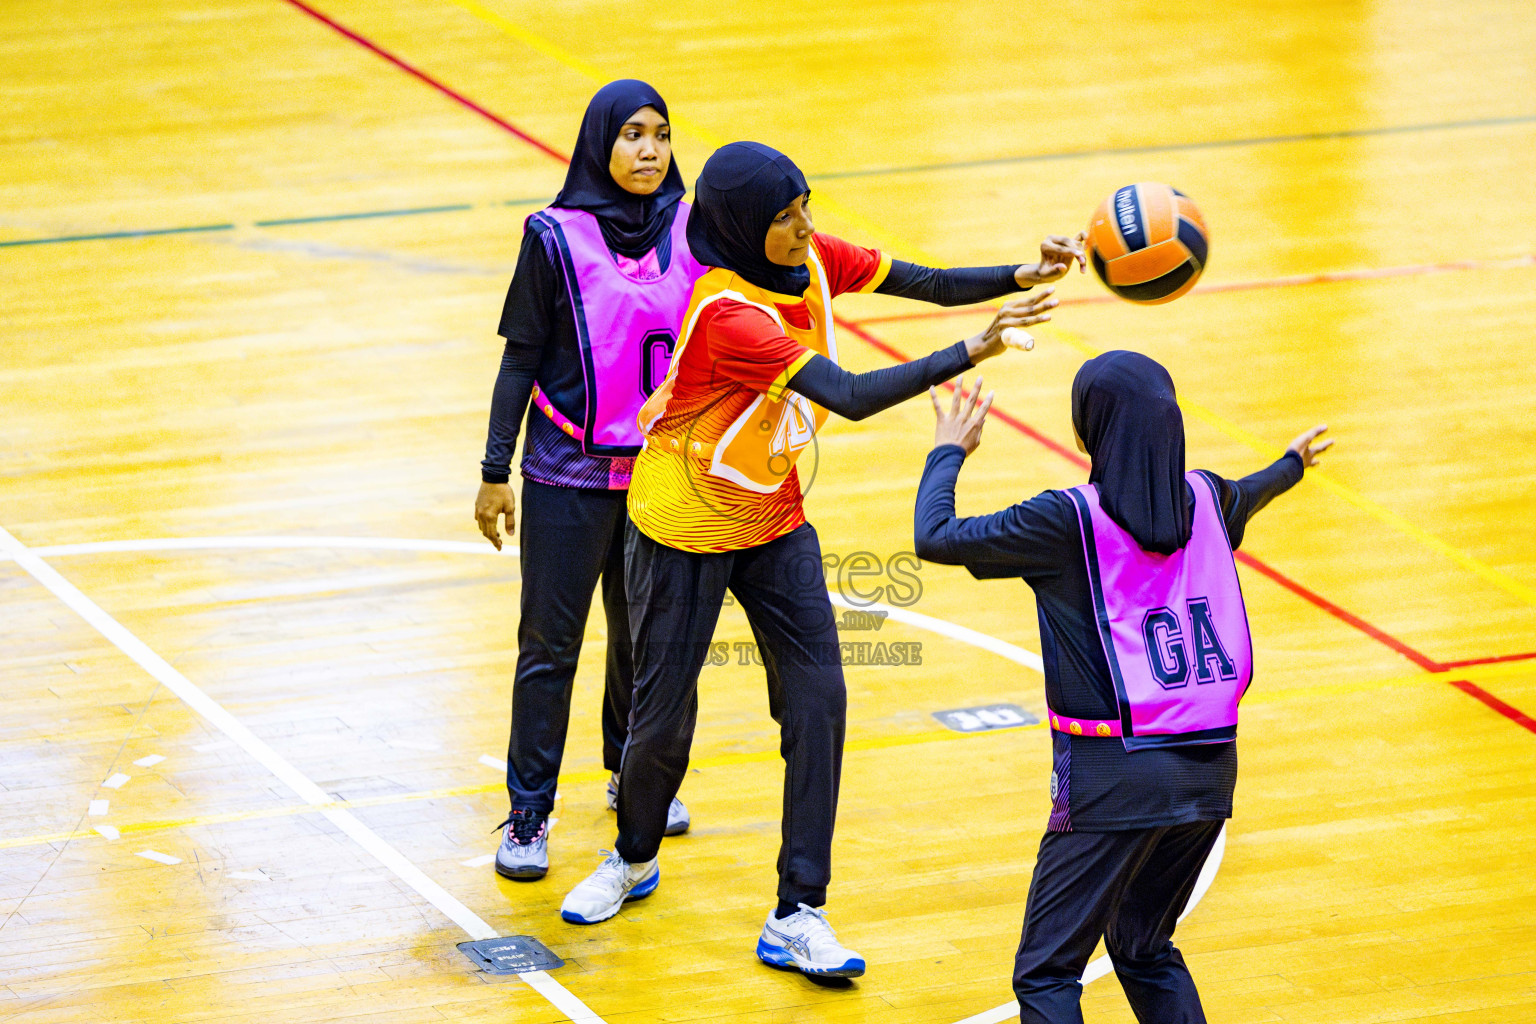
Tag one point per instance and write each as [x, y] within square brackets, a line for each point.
[962, 424]
[1057, 254]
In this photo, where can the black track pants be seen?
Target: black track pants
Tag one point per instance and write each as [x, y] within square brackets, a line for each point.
[569, 537]
[675, 599]
[1128, 887]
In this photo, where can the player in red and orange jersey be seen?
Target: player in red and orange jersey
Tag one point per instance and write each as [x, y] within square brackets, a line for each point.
[715, 504]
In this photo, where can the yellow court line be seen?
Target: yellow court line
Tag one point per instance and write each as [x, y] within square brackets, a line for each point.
[591, 71]
[570, 778]
[1259, 695]
[1383, 515]
[889, 241]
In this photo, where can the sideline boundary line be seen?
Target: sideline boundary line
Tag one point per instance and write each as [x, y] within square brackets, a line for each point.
[164, 673]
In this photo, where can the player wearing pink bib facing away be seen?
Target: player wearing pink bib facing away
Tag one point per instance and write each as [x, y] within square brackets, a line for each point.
[1145, 642]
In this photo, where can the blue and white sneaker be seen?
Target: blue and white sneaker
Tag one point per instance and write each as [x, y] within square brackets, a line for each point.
[614, 883]
[523, 855]
[677, 815]
[805, 942]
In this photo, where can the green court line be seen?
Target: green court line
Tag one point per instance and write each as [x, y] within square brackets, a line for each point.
[139, 233]
[323, 218]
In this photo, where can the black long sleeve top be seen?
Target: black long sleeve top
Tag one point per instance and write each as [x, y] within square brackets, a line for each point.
[537, 323]
[1094, 779]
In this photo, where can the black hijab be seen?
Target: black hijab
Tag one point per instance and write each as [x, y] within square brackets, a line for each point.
[632, 225]
[740, 189]
[1124, 410]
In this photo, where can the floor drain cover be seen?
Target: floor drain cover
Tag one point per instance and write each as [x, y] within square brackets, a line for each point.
[514, 954]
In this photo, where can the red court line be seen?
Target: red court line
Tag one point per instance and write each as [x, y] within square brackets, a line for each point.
[1333, 277]
[1478, 693]
[458, 98]
[1381, 636]
[1418, 658]
[1024, 428]
[1447, 666]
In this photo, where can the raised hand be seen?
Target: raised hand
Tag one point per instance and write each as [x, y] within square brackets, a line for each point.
[962, 424]
[1306, 447]
[1057, 254]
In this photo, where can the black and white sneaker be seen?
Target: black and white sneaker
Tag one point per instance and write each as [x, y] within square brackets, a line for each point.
[524, 852]
[677, 814]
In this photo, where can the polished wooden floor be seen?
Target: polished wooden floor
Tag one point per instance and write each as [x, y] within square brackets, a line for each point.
[252, 255]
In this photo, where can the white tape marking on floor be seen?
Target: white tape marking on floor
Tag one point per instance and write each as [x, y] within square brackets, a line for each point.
[150, 761]
[108, 832]
[117, 781]
[478, 862]
[171, 679]
[1102, 966]
[493, 762]
[98, 809]
[250, 876]
[158, 857]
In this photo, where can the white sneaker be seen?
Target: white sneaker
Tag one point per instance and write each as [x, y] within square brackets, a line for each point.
[677, 815]
[614, 883]
[804, 941]
[524, 851]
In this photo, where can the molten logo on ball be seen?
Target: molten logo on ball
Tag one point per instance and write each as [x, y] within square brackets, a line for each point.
[1148, 243]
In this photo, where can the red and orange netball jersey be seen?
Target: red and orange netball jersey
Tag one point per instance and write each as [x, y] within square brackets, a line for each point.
[723, 433]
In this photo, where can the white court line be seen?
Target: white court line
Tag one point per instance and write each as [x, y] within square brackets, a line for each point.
[307, 791]
[1002, 648]
[1019, 655]
[1100, 967]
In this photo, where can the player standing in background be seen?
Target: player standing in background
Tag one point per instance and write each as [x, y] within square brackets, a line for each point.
[1146, 649]
[715, 505]
[590, 319]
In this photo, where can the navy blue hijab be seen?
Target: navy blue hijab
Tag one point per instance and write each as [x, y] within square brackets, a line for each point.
[1124, 410]
[740, 189]
[632, 225]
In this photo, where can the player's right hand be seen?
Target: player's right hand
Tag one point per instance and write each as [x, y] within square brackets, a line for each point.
[1020, 312]
[495, 500]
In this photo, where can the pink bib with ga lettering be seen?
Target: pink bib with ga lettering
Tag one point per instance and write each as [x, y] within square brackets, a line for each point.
[1174, 627]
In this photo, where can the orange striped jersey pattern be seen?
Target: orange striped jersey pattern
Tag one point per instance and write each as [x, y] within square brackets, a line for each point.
[734, 353]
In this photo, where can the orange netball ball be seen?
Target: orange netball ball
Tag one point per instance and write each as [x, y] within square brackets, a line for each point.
[1148, 243]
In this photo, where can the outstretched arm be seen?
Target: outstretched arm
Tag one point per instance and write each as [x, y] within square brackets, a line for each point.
[961, 286]
[857, 395]
[1242, 499]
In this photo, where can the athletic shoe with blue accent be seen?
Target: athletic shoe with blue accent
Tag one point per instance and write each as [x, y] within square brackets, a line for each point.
[614, 883]
[805, 942]
[677, 815]
[524, 852]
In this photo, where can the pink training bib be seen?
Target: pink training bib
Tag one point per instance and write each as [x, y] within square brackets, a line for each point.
[1174, 627]
[627, 316]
